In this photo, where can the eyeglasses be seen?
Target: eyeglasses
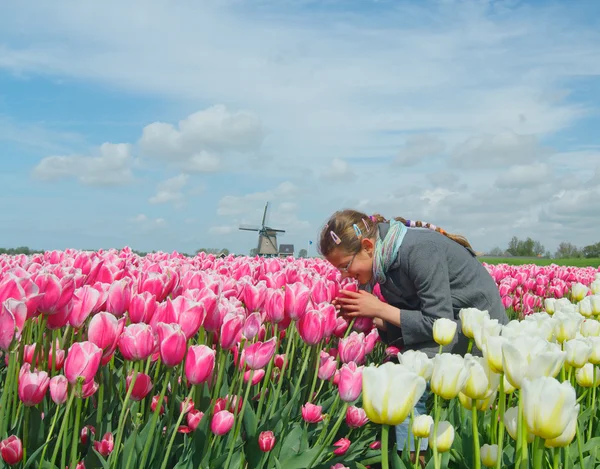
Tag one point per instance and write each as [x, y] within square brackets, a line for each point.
[344, 270]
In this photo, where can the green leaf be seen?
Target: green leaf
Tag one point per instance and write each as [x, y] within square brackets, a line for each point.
[396, 461]
[131, 444]
[302, 460]
[291, 443]
[34, 456]
[250, 422]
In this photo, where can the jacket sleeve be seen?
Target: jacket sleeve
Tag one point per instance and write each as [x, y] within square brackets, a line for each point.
[427, 268]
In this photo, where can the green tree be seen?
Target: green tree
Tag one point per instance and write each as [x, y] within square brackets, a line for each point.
[303, 253]
[253, 252]
[496, 252]
[591, 251]
[513, 246]
[567, 250]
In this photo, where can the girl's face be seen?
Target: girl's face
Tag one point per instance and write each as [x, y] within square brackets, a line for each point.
[358, 265]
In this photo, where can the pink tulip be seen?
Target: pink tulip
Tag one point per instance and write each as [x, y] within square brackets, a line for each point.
[85, 301]
[137, 342]
[254, 296]
[352, 348]
[297, 296]
[57, 292]
[106, 445]
[252, 326]
[279, 360]
[341, 326]
[199, 364]
[371, 340]
[141, 388]
[189, 314]
[11, 450]
[363, 324]
[266, 441]
[32, 387]
[7, 327]
[83, 359]
[259, 354]
[59, 389]
[312, 413]
[194, 417]
[329, 319]
[356, 417]
[257, 376]
[375, 445]
[221, 422]
[154, 403]
[320, 292]
[231, 330]
[142, 307]
[119, 297]
[87, 390]
[85, 434]
[328, 366]
[343, 444]
[103, 330]
[60, 317]
[310, 326]
[186, 405]
[350, 385]
[274, 306]
[172, 343]
[339, 465]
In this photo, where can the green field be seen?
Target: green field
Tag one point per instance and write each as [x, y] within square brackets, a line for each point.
[577, 262]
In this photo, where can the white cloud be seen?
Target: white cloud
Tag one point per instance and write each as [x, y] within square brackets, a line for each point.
[199, 140]
[170, 190]
[222, 229]
[418, 148]
[255, 202]
[525, 176]
[112, 166]
[339, 171]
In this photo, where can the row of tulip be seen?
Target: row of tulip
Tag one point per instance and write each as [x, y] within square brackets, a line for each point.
[113, 360]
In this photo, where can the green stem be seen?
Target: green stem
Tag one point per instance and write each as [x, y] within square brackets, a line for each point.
[76, 431]
[54, 419]
[155, 418]
[501, 410]
[349, 329]
[476, 448]
[417, 452]
[134, 436]
[174, 434]
[332, 435]
[330, 412]
[436, 421]
[25, 431]
[538, 453]
[315, 372]
[470, 347]
[579, 445]
[62, 427]
[6, 392]
[238, 422]
[114, 456]
[555, 458]
[593, 416]
[384, 446]
[282, 374]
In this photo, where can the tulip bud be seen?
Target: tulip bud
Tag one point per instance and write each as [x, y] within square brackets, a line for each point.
[137, 342]
[266, 441]
[352, 348]
[578, 352]
[259, 354]
[449, 375]
[32, 387]
[375, 445]
[356, 417]
[444, 438]
[11, 450]
[83, 359]
[350, 384]
[471, 319]
[221, 422]
[312, 413]
[444, 330]
[194, 417]
[106, 445]
[566, 437]
[58, 389]
[85, 432]
[422, 425]
[172, 343]
[585, 376]
[342, 445]
[418, 362]
[311, 326]
[199, 364]
[489, 455]
[578, 292]
[279, 361]
[141, 388]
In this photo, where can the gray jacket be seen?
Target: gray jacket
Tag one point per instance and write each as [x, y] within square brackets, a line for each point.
[435, 277]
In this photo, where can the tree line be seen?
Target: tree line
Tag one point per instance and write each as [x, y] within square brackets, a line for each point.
[532, 248]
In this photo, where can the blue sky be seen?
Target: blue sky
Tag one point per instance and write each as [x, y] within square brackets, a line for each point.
[164, 127]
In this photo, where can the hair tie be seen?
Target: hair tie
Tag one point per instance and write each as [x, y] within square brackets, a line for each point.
[367, 227]
[357, 230]
[372, 217]
[336, 238]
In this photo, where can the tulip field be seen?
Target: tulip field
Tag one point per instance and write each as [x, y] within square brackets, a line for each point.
[112, 360]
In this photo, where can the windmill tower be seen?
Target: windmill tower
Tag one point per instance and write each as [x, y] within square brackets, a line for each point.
[267, 237]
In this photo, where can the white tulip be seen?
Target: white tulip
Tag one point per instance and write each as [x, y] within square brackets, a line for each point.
[481, 380]
[585, 376]
[566, 325]
[595, 286]
[489, 455]
[471, 319]
[566, 437]
[585, 307]
[482, 405]
[422, 426]
[449, 375]
[417, 361]
[487, 328]
[549, 305]
[595, 345]
[562, 304]
[590, 328]
[444, 438]
[444, 330]
[381, 400]
[579, 291]
[508, 388]
[595, 303]
[492, 352]
[530, 357]
[548, 406]
[511, 423]
[578, 352]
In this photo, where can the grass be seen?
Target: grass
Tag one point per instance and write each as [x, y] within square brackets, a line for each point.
[576, 262]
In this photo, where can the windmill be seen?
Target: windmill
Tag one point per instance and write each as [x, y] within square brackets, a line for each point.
[267, 237]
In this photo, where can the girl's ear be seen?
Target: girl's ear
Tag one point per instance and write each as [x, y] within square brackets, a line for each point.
[368, 245]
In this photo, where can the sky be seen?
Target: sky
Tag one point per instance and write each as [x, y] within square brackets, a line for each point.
[164, 126]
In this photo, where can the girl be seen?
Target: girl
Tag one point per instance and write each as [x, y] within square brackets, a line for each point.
[423, 274]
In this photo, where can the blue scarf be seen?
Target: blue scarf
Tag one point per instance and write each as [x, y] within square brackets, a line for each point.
[386, 251]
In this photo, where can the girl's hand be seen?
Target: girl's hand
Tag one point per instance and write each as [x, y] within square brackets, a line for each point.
[359, 303]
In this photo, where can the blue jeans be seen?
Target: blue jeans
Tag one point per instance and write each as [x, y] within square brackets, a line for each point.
[402, 429]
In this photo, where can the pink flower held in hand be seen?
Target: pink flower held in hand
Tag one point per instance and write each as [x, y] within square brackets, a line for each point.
[342, 446]
[58, 389]
[83, 359]
[352, 348]
[259, 354]
[103, 330]
[312, 413]
[356, 417]
[141, 388]
[266, 441]
[221, 422]
[32, 387]
[106, 445]
[199, 364]
[137, 342]
[310, 326]
[172, 343]
[11, 450]
[350, 385]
